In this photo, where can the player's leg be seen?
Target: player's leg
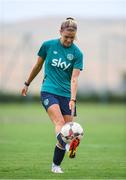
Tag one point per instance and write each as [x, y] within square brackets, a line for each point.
[51, 105]
[56, 117]
[58, 121]
[59, 151]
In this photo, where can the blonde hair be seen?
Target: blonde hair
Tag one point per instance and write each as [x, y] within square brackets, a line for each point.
[70, 24]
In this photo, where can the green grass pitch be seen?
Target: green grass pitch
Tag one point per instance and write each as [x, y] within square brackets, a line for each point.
[27, 141]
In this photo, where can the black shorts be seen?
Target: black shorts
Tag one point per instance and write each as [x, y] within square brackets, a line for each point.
[49, 99]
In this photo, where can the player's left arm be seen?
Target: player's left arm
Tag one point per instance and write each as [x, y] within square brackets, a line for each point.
[74, 84]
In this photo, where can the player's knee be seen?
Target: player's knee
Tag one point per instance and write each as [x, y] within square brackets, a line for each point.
[60, 122]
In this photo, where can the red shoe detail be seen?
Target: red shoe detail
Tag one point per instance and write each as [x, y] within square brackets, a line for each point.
[73, 146]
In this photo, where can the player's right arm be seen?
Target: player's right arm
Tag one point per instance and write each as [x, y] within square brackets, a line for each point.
[36, 69]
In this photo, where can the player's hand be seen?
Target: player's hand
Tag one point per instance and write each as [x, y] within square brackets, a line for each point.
[24, 91]
[72, 105]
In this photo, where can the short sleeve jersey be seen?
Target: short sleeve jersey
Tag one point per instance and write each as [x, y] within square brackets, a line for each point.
[59, 64]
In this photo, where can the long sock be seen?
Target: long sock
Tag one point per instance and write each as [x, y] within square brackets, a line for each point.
[59, 138]
[58, 155]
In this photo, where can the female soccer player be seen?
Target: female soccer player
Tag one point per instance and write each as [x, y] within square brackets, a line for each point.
[63, 62]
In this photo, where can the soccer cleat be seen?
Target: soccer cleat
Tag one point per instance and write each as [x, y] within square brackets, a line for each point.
[56, 169]
[73, 148]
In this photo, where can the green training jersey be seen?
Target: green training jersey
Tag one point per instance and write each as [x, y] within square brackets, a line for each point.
[59, 64]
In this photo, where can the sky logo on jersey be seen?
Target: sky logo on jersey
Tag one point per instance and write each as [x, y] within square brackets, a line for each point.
[59, 63]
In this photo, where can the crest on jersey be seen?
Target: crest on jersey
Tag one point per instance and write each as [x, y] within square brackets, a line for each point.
[46, 102]
[70, 57]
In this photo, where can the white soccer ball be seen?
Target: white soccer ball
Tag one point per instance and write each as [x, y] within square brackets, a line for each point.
[70, 131]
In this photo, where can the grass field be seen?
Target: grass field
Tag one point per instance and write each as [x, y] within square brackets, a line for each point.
[27, 141]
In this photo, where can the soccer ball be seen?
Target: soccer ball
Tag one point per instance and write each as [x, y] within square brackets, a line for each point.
[70, 131]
